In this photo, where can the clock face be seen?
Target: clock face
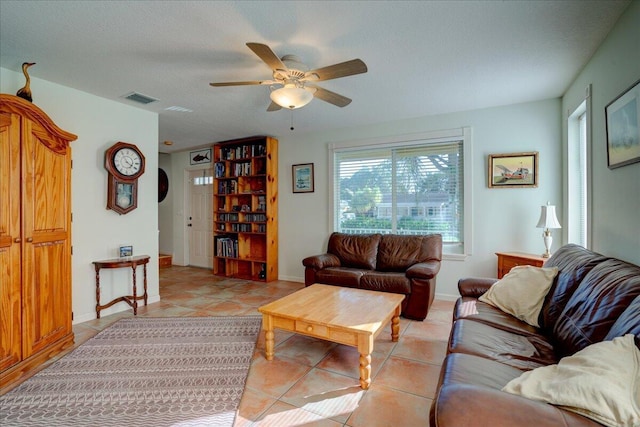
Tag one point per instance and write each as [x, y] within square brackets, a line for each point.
[127, 161]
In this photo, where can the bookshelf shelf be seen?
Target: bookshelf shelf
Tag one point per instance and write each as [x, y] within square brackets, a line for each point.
[245, 208]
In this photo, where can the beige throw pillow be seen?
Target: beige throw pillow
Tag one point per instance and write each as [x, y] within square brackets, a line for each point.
[600, 382]
[521, 292]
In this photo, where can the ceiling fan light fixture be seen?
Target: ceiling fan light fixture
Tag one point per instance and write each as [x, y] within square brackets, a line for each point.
[290, 96]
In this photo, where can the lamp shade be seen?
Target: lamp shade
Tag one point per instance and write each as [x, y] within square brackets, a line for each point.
[548, 217]
[290, 96]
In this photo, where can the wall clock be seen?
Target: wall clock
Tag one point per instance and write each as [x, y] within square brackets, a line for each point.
[125, 164]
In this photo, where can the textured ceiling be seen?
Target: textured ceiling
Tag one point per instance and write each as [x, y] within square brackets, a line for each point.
[424, 57]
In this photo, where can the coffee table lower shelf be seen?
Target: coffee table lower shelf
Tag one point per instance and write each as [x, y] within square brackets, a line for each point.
[353, 317]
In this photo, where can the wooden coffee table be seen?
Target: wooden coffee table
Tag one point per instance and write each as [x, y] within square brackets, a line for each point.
[348, 316]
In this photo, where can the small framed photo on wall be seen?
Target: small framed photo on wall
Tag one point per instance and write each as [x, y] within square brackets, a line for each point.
[513, 170]
[623, 133]
[303, 178]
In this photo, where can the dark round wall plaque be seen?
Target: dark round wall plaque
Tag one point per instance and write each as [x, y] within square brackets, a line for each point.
[163, 184]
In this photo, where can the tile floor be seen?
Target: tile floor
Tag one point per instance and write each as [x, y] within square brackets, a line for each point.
[310, 382]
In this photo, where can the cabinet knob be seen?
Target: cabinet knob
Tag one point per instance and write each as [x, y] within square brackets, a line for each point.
[17, 240]
[29, 239]
[309, 328]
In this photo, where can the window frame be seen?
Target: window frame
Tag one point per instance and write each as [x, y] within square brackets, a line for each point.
[464, 134]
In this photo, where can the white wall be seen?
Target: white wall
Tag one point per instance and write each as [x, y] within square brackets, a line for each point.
[96, 231]
[504, 219]
[615, 192]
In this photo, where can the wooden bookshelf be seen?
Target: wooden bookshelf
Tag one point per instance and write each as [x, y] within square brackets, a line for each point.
[245, 204]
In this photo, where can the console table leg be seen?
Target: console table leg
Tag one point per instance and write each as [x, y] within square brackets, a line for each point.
[97, 292]
[135, 300]
[146, 296]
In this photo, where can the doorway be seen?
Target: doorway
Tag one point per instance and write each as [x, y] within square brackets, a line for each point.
[200, 218]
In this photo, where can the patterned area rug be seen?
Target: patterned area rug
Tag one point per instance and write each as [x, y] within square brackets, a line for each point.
[143, 372]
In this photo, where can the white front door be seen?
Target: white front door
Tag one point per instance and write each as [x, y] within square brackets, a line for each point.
[200, 218]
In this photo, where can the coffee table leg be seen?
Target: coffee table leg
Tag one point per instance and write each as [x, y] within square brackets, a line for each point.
[395, 325]
[267, 325]
[365, 371]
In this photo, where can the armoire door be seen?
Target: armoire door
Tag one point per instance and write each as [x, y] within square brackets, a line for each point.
[10, 241]
[46, 247]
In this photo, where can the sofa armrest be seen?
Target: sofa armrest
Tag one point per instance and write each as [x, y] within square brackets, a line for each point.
[318, 262]
[473, 406]
[474, 286]
[423, 270]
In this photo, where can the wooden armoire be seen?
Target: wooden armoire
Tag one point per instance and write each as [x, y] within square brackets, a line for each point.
[35, 238]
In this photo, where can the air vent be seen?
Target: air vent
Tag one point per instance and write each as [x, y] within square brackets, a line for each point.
[179, 109]
[139, 98]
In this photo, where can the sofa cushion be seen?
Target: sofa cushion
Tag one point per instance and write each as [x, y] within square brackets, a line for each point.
[340, 276]
[628, 322]
[471, 309]
[601, 382]
[573, 262]
[355, 250]
[397, 283]
[521, 292]
[398, 252]
[603, 295]
[522, 351]
[460, 368]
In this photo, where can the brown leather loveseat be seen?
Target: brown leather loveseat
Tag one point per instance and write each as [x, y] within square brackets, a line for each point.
[593, 299]
[381, 262]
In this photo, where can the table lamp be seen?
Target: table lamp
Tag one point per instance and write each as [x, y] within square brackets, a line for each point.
[548, 221]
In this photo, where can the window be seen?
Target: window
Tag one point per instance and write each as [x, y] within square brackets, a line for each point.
[577, 175]
[405, 185]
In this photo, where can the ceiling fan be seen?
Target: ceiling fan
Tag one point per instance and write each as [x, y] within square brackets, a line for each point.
[297, 83]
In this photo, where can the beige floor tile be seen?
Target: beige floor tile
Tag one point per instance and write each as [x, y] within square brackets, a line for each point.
[282, 415]
[305, 350]
[424, 350]
[253, 404]
[345, 360]
[409, 376]
[276, 376]
[385, 407]
[325, 393]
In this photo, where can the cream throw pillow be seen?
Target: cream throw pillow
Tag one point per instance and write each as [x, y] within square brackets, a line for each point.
[521, 292]
[601, 382]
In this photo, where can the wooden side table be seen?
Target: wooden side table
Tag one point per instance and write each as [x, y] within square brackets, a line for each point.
[508, 260]
[132, 262]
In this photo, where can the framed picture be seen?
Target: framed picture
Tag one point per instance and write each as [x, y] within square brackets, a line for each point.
[199, 157]
[623, 134]
[513, 170]
[303, 178]
[126, 251]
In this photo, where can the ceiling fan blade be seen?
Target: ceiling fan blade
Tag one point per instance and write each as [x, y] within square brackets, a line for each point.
[247, 83]
[330, 97]
[266, 54]
[343, 69]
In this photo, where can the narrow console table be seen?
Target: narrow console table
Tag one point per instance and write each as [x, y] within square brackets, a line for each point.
[132, 262]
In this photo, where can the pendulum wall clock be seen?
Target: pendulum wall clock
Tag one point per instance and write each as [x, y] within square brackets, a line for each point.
[125, 164]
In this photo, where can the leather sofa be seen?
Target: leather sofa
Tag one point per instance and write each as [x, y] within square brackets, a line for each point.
[389, 263]
[593, 298]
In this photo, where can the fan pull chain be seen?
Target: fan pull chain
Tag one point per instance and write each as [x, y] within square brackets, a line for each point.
[291, 119]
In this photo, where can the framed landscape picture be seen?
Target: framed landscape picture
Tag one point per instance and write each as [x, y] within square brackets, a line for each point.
[513, 170]
[623, 134]
[303, 178]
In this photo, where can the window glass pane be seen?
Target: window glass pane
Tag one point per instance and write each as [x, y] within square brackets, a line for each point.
[403, 190]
